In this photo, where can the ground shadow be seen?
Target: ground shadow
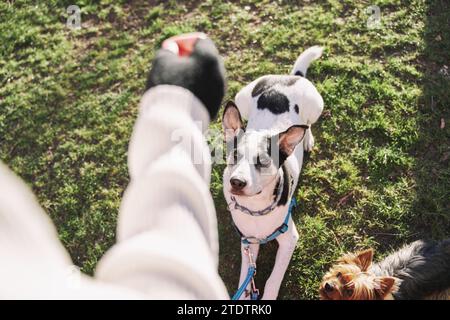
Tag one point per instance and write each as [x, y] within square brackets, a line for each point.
[430, 216]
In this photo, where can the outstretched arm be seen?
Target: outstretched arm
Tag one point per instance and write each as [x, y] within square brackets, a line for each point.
[167, 230]
[167, 235]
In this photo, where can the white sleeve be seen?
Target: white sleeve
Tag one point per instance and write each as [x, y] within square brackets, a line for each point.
[34, 264]
[167, 245]
[167, 241]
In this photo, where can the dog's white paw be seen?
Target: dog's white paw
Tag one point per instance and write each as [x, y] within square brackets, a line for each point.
[308, 140]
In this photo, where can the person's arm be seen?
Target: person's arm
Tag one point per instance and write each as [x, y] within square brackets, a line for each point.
[167, 230]
[34, 264]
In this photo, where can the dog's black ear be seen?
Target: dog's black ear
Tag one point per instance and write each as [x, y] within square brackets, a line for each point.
[290, 138]
[364, 259]
[386, 285]
[231, 121]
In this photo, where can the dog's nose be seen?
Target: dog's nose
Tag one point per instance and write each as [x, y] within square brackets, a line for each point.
[328, 287]
[238, 184]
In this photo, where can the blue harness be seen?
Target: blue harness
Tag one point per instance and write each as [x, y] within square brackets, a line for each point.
[252, 240]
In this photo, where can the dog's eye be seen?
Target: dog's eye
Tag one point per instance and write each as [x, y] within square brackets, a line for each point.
[339, 275]
[262, 162]
[348, 292]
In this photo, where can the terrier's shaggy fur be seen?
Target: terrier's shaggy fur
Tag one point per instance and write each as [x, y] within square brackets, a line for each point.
[420, 270]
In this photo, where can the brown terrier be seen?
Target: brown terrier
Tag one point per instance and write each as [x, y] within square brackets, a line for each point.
[420, 270]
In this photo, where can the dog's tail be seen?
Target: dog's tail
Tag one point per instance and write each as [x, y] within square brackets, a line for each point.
[305, 59]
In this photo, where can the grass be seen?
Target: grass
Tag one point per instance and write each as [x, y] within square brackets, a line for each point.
[379, 175]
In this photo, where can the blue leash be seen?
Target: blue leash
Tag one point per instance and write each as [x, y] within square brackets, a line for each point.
[250, 275]
[254, 294]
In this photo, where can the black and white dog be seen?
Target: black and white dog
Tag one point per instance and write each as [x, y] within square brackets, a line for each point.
[264, 159]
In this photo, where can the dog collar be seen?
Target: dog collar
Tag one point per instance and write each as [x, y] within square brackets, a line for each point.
[280, 230]
[235, 205]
